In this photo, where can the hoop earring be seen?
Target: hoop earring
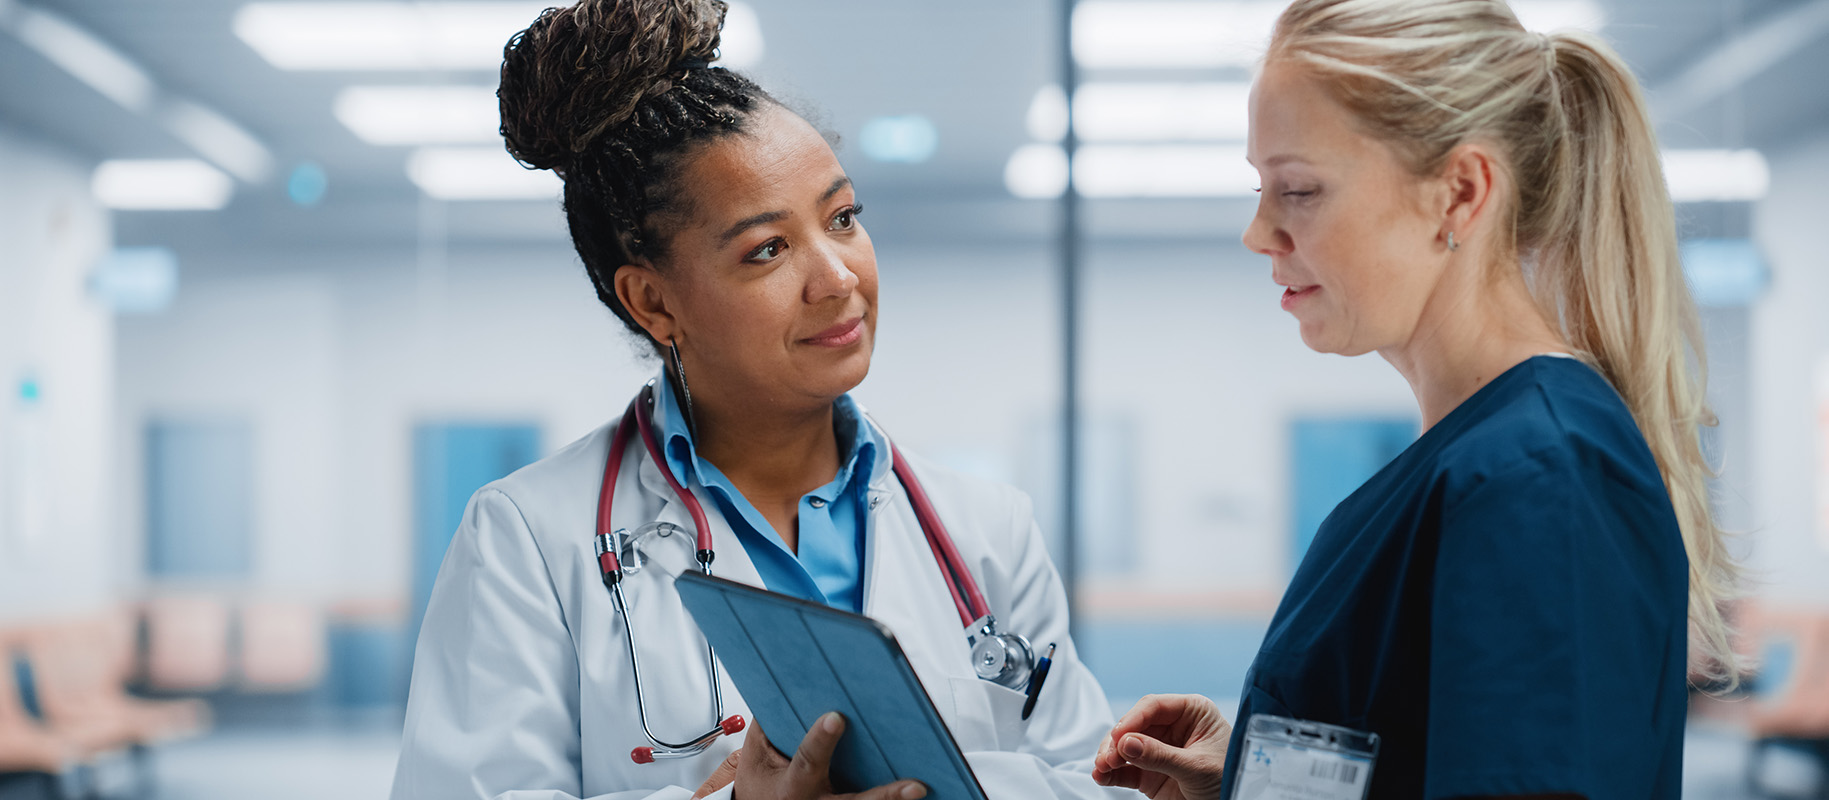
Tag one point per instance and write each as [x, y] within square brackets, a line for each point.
[679, 370]
[1451, 245]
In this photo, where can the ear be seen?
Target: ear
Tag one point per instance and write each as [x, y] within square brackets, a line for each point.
[1469, 184]
[643, 293]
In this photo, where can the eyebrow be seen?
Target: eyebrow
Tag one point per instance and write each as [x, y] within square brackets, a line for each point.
[746, 223]
[767, 217]
[1278, 159]
[840, 183]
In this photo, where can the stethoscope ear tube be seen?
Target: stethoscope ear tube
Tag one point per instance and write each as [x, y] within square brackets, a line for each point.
[966, 595]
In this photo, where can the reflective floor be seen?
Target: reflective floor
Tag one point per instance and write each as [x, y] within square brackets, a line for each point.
[357, 763]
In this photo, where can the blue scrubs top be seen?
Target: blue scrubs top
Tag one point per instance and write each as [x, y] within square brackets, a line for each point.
[1504, 604]
[829, 567]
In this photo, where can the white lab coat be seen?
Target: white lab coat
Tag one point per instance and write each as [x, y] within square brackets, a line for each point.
[521, 683]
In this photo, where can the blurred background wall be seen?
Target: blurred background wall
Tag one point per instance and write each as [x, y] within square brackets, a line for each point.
[272, 305]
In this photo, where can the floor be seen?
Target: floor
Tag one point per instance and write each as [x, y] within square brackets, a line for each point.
[356, 762]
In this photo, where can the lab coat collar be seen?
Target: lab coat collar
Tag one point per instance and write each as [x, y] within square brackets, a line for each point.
[861, 443]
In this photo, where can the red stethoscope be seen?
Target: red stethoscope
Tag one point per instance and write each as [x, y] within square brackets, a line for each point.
[1006, 659]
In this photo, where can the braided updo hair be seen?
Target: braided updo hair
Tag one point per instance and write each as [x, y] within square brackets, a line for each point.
[612, 95]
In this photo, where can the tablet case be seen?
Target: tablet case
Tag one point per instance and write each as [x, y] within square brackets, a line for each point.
[794, 660]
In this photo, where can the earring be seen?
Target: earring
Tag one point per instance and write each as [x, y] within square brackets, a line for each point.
[1451, 245]
[679, 370]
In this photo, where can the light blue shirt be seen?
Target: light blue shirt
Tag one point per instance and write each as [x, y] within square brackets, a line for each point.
[829, 566]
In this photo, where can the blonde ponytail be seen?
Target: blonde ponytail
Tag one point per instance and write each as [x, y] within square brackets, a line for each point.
[1591, 221]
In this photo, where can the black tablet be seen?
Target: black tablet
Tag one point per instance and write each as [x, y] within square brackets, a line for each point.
[794, 660]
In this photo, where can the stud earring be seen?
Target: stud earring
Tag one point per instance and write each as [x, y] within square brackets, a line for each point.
[1451, 245]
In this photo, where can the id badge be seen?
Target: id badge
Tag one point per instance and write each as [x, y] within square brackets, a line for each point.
[1289, 759]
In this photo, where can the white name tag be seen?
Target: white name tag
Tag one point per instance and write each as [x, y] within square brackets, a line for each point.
[1288, 759]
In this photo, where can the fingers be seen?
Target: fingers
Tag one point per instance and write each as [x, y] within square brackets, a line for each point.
[1161, 709]
[757, 750]
[1185, 766]
[813, 760]
[900, 790]
[720, 777]
[1125, 777]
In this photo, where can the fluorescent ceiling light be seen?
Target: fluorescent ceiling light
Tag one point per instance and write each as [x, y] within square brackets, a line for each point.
[91, 60]
[421, 35]
[1209, 34]
[1551, 15]
[478, 173]
[1143, 112]
[161, 185]
[1163, 171]
[1108, 34]
[1036, 171]
[1698, 176]
[388, 115]
[1115, 171]
[219, 139]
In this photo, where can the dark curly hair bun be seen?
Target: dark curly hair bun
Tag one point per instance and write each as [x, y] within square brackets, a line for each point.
[580, 71]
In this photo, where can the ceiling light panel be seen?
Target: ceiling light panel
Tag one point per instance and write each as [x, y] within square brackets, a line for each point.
[421, 36]
[1552, 15]
[1108, 34]
[1190, 34]
[161, 185]
[411, 115]
[478, 173]
[1143, 112]
[1716, 176]
[91, 60]
[1118, 171]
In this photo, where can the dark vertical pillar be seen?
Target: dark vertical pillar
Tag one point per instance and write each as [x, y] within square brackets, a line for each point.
[1070, 319]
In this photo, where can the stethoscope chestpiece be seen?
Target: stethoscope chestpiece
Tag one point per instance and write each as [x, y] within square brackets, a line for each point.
[1006, 659]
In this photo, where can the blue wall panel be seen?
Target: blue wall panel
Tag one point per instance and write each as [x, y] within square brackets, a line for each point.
[199, 499]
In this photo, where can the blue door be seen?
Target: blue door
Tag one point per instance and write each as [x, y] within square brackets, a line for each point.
[451, 462]
[199, 499]
[1332, 457]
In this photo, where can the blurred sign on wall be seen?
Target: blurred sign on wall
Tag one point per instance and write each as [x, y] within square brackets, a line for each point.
[135, 280]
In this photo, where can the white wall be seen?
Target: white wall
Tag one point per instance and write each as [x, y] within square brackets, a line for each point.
[334, 364]
[335, 356]
[1790, 353]
[57, 551]
[338, 355]
[263, 351]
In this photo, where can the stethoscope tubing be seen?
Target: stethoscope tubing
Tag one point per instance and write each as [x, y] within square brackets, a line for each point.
[968, 599]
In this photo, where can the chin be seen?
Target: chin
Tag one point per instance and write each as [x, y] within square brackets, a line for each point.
[839, 376]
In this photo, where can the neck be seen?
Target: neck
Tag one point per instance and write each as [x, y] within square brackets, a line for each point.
[767, 452]
[1477, 324]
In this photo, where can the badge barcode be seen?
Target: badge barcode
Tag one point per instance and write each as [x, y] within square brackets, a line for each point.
[1344, 773]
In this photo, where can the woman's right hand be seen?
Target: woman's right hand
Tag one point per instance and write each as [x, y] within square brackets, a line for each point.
[763, 773]
[1168, 746]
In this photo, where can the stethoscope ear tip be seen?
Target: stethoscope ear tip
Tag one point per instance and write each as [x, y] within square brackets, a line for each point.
[732, 724]
[642, 755]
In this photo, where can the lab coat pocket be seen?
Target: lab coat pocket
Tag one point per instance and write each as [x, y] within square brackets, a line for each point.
[987, 717]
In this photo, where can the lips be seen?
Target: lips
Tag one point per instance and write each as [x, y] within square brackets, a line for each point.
[840, 335]
[1294, 293]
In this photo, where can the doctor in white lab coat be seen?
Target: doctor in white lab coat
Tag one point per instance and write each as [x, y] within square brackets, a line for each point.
[522, 687]
[721, 229]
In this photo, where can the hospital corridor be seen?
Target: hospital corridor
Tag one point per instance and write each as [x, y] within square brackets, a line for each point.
[381, 379]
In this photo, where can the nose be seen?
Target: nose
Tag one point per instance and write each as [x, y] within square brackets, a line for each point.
[831, 276]
[1263, 237]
